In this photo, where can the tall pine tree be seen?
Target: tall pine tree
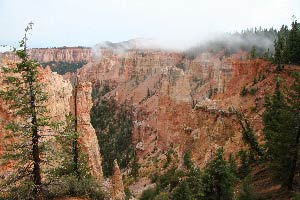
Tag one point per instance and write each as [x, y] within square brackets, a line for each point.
[282, 134]
[26, 98]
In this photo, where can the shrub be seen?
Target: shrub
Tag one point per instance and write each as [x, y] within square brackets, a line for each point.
[244, 91]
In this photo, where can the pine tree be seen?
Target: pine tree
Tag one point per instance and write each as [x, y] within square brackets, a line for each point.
[194, 180]
[248, 136]
[293, 100]
[187, 160]
[26, 98]
[282, 134]
[247, 191]
[293, 45]
[183, 192]
[253, 53]
[71, 176]
[135, 167]
[72, 160]
[218, 179]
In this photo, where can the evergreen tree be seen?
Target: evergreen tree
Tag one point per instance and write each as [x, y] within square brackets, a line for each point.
[73, 161]
[135, 167]
[293, 100]
[287, 45]
[71, 176]
[282, 134]
[253, 53]
[293, 43]
[247, 191]
[194, 180]
[248, 136]
[218, 179]
[182, 192]
[26, 98]
[187, 160]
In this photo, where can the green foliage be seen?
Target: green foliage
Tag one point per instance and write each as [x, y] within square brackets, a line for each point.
[195, 183]
[135, 166]
[248, 135]
[70, 186]
[62, 67]
[253, 90]
[114, 125]
[218, 179]
[232, 165]
[26, 99]
[40, 168]
[216, 182]
[282, 133]
[277, 132]
[169, 158]
[150, 194]
[253, 53]
[255, 80]
[247, 191]
[244, 91]
[127, 193]
[187, 160]
[182, 192]
[287, 45]
[244, 169]
[247, 39]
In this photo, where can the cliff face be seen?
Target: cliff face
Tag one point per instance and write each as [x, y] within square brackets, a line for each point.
[65, 54]
[179, 104]
[183, 104]
[87, 138]
[61, 103]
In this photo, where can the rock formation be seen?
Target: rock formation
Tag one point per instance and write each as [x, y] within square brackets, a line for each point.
[117, 183]
[62, 54]
[87, 138]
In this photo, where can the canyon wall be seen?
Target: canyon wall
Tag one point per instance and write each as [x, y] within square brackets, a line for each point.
[87, 135]
[61, 54]
[181, 104]
[61, 103]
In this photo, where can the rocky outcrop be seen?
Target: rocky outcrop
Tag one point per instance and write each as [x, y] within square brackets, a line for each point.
[63, 54]
[87, 138]
[59, 104]
[117, 183]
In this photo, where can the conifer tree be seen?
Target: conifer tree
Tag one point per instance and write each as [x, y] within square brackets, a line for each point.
[218, 179]
[26, 98]
[282, 134]
[293, 100]
[183, 192]
[247, 191]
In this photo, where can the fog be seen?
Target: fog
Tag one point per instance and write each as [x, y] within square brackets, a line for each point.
[169, 24]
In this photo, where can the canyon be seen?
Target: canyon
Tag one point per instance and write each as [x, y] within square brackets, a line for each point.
[179, 104]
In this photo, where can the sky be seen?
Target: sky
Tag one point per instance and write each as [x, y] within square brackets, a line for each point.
[174, 23]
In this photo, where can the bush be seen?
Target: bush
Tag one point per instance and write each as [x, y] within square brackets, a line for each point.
[247, 191]
[70, 186]
[244, 91]
[187, 160]
[149, 194]
[253, 90]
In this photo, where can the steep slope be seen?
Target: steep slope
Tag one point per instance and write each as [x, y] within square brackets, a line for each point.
[181, 104]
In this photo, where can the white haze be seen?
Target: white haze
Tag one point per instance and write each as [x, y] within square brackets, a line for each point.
[173, 24]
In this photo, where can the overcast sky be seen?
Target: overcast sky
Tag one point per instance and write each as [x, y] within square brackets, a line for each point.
[178, 23]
